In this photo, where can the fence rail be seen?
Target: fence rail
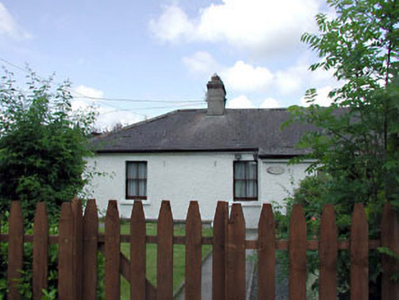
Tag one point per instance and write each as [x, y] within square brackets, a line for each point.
[79, 242]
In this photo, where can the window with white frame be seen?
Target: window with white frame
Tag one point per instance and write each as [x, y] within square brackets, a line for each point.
[136, 180]
[245, 180]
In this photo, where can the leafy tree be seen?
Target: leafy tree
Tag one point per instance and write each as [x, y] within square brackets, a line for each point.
[43, 145]
[358, 141]
[357, 144]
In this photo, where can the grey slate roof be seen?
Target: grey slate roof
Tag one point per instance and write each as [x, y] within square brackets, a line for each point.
[194, 130]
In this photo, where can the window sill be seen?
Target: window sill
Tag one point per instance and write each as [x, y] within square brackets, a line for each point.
[246, 203]
[130, 202]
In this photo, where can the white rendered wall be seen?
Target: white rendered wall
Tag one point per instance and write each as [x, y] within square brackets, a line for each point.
[181, 177]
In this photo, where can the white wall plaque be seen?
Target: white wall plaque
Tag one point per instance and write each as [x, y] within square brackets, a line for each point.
[275, 170]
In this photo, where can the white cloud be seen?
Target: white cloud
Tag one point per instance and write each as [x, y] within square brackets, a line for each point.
[107, 116]
[322, 98]
[258, 25]
[173, 25]
[81, 98]
[298, 78]
[80, 105]
[289, 81]
[245, 77]
[240, 102]
[270, 103]
[86, 91]
[201, 62]
[9, 27]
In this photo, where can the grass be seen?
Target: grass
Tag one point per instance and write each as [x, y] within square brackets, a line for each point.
[151, 269]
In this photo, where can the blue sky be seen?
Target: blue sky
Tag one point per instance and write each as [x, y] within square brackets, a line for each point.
[163, 52]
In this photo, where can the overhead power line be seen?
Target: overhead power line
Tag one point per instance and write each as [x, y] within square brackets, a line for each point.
[142, 108]
[14, 65]
[138, 100]
[103, 99]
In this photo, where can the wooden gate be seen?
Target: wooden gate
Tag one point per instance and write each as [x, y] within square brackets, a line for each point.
[79, 241]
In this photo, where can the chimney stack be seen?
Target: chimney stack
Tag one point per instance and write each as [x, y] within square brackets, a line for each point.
[216, 96]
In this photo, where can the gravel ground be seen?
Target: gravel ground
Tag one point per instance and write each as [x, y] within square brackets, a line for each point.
[251, 277]
[281, 286]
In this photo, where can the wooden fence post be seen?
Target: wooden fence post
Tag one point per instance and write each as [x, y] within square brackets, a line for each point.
[266, 254]
[112, 252]
[76, 207]
[193, 252]
[328, 247]
[297, 245]
[66, 286]
[15, 249]
[90, 240]
[165, 253]
[390, 239]
[219, 251]
[137, 253]
[236, 254]
[359, 248]
[40, 251]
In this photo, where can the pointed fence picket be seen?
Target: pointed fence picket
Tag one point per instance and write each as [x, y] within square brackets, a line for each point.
[359, 254]
[137, 253]
[15, 249]
[79, 242]
[297, 254]
[390, 240]
[219, 260]
[77, 212]
[236, 254]
[90, 244]
[266, 254]
[193, 252]
[66, 288]
[165, 253]
[328, 249]
[112, 251]
[40, 251]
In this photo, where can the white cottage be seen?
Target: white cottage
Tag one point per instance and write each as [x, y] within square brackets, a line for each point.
[235, 155]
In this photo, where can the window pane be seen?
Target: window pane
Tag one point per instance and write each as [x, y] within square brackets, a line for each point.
[252, 170]
[132, 188]
[239, 170]
[136, 180]
[246, 180]
[239, 189]
[132, 170]
[142, 170]
[142, 188]
[251, 189]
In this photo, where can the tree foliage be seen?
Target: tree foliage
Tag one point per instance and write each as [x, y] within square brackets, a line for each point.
[43, 144]
[357, 143]
[356, 146]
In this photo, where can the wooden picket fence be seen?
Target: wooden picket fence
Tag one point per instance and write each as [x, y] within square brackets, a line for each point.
[79, 241]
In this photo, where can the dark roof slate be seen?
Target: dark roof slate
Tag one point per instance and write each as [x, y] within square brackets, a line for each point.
[194, 130]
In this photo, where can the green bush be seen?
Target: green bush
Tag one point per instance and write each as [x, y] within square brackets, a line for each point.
[43, 145]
